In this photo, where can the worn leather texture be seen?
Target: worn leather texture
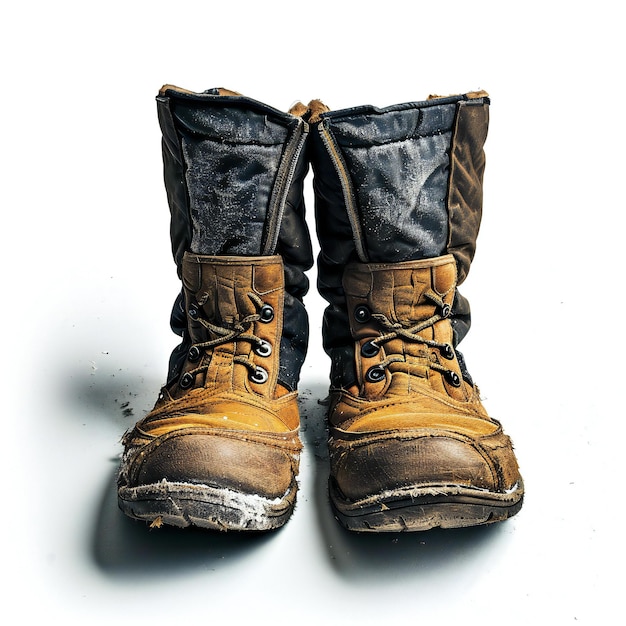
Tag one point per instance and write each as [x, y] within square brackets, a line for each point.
[417, 423]
[226, 421]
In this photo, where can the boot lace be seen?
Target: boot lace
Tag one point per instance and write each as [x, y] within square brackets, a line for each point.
[411, 334]
[238, 331]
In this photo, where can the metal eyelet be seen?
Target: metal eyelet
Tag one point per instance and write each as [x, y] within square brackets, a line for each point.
[453, 378]
[447, 352]
[193, 312]
[194, 354]
[186, 381]
[260, 376]
[369, 349]
[263, 348]
[445, 310]
[266, 313]
[375, 374]
[362, 314]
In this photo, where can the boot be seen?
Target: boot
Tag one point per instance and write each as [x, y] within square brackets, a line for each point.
[220, 449]
[398, 202]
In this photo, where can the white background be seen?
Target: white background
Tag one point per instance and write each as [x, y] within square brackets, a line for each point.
[88, 281]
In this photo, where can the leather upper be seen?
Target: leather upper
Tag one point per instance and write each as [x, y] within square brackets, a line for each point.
[417, 422]
[226, 413]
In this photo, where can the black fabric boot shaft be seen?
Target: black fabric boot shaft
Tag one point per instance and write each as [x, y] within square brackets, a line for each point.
[396, 184]
[234, 171]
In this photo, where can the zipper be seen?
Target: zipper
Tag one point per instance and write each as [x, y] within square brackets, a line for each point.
[285, 177]
[348, 195]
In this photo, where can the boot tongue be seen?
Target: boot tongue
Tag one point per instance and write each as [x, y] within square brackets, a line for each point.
[229, 296]
[398, 291]
[226, 288]
[229, 306]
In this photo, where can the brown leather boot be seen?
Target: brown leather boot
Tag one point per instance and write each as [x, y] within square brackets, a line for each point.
[220, 449]
[399, 200]
[411, 445]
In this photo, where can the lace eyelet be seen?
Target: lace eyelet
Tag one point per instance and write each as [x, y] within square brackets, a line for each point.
[266, 313]
[375, 374]
[260, 376]
[263, 348]
[446, 310]
[453, 378]
[369, 349]
[362, 314]
[186, 381]
[194, 354]
[193, 312]
[447, 352]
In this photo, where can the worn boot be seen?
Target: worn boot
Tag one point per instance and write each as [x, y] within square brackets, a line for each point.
[220, 449]
[398, 204]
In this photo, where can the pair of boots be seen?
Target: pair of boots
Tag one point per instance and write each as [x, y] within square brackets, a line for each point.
[398, 200]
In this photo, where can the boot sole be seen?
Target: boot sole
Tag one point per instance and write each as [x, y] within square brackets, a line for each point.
[411, 510]
[185, 504]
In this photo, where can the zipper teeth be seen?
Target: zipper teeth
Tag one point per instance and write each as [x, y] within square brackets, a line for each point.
[347, 191]
[291, 157]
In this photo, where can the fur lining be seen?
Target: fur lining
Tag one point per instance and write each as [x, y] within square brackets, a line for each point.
[298, 109]
[222, 91]
[173, 88]
[317, 107]
[471, 95]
